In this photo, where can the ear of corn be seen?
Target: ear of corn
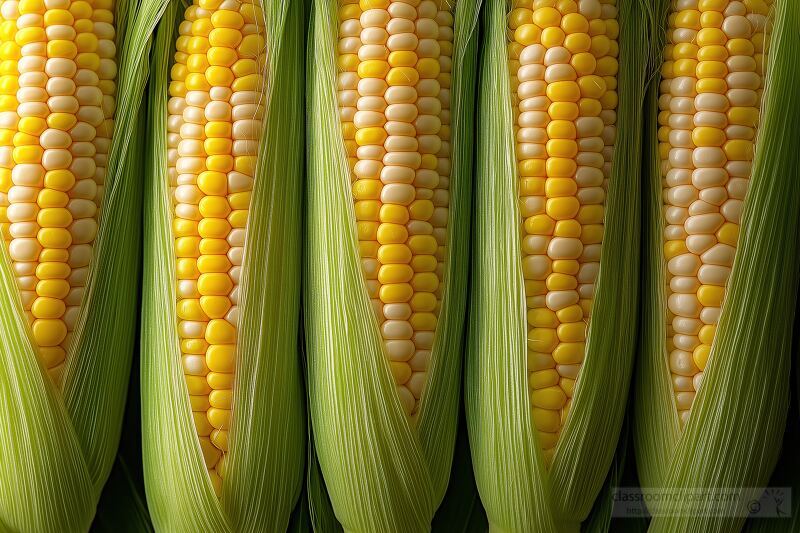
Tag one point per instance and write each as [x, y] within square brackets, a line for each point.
[726, 437]
[222, 397]
[64, 376]
[384, 393]
[558, 163]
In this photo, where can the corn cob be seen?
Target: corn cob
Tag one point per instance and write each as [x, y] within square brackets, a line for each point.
[227, 109]
[57, 106]
[391, 88]
[711, 86]
[216, 110]
[563, 65]
[554, 293]
[394, 105]
[68, 276]
[723, 197]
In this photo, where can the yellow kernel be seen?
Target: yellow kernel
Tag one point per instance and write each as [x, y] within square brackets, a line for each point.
[567, 228]
[423, 301]
[396, 293]
[711, 85]
[368, 136]
[707, 333]
[572, 332]
[708, 136]
[558, 167]
[539, 225]
[532, 168]
[555, 187]
[569, 353]
[373, 68]
[215, 306]
[394, 253]
[546, 17]
[561, 282]
[220, 380]
[573, 313]
[543, 378]
[48, 308]
[52, 269]
[548, 398]
[213, 263]
[563, 91]
[214, 284]
[577, 42]
[565, 148]
[220, 331]
[711, 36]
[48, 332]
[590, 214]
[53, 288]
[674, 249]
[712, 53]
[402, 76]
[684, 67]
[213, 183]
[186, 268]
[563, 110]
[227, 37]
[684, 51]
[711, 69]
[542, 339]
[54, 238]
[528, 34]
[397, 273]
[710, 295]
[391, 234]
[562, 208]
[590, 107]
[546, 420]
[542, 318]
[552, 37]
[566, 266]
[189, 309]
[739, 150]
[700, 356]
[728, 234]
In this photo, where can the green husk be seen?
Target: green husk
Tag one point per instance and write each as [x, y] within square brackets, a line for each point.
[523, 495]
[737, 419]
[267, 440]
[381, 473]
[60, 445]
